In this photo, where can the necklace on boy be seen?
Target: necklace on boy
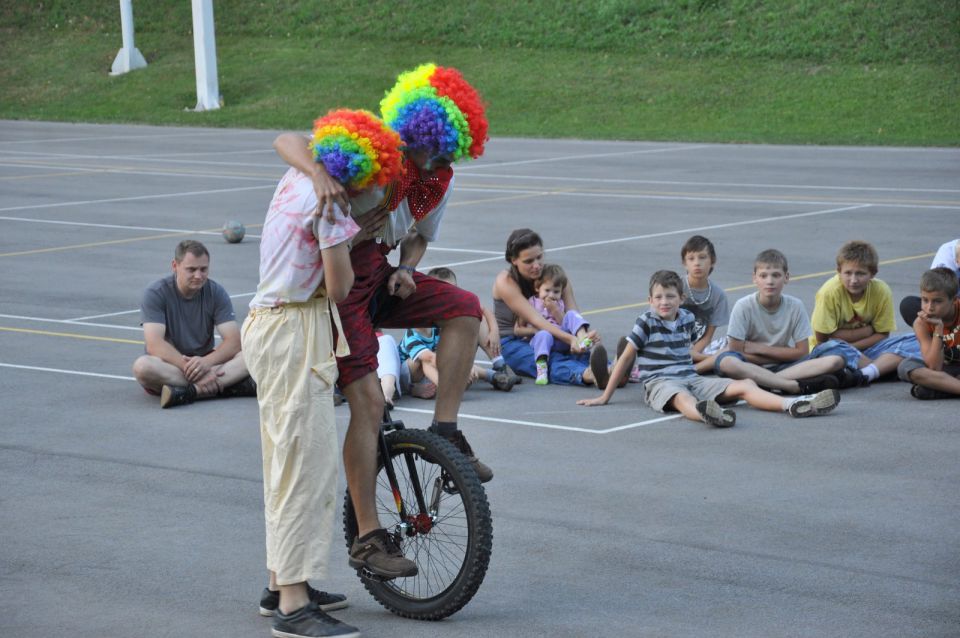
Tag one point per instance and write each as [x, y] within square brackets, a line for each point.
[693, 297]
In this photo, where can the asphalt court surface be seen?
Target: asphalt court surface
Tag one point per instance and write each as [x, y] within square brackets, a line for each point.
[119, 518]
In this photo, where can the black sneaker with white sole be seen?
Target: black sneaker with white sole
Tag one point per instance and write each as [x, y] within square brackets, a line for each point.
[310, 622]
[270, 600]
[719, 417]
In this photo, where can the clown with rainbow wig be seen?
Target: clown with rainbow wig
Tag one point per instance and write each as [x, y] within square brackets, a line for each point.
[290, 343]
[440, 119]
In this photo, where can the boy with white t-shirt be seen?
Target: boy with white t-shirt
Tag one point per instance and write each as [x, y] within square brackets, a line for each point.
[767, 337]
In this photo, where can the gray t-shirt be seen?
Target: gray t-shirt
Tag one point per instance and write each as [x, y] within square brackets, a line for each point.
[709, 308]
[189, 322]
[784, 327]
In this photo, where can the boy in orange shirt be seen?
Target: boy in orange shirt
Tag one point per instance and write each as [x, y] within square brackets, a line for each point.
[937, 327]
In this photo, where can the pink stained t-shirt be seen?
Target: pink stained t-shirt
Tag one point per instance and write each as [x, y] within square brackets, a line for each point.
[291, 267]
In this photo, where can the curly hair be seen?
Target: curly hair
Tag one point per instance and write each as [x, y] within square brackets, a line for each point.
[356, 148]
[433, 108]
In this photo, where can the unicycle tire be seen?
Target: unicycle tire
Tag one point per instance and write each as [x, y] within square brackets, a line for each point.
[451, 543]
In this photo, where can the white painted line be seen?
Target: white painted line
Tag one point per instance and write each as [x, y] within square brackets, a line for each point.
[116, 226]
[683, 231]
[602, 180]
[76, 372]
[138, 198]
[645, 151]
[75, 322]
[42, 141]
[128, 312]
[461, 415]
[548, 426]
[132, 171]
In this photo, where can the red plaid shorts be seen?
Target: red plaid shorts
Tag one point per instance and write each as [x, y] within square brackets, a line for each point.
[368, 306]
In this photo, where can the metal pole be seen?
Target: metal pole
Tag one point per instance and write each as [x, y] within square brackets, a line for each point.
[129, 57]
[205, 56]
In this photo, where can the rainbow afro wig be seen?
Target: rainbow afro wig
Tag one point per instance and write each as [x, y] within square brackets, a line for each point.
[356, 148]
[434, 108]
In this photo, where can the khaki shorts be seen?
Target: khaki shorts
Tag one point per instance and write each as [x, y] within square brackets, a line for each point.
[289, 353]
[659, 391]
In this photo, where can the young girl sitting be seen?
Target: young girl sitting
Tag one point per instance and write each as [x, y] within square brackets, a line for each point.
[548, 303]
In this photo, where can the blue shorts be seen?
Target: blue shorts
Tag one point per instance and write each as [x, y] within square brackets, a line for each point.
[905, 346]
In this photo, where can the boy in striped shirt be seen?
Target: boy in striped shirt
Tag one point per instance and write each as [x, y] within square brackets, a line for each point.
[661, 340]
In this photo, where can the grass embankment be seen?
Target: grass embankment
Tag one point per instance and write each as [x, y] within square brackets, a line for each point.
[743, 71]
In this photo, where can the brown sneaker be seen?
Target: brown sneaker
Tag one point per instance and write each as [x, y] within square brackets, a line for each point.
[174, 395]
[502, 381]
[379, 553]
[598, 365]
[484, 473]
[621, 346]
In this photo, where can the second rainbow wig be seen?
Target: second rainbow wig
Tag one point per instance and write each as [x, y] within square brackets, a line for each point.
[434, 108]
[356, 148]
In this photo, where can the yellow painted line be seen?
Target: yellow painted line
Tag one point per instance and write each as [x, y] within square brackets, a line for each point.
[38, 175]
[506, 198]
[114, 241]
[825, 273]
[72, 335]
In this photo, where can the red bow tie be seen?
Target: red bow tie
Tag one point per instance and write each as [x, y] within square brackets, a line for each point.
[423, 194]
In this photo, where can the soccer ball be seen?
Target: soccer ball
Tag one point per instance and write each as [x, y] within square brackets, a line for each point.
[233, 232]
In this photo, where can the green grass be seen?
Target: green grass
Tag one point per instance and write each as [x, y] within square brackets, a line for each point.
[707, 70]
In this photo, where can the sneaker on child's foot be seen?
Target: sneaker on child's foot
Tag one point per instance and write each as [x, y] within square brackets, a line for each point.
[812, 385]
[586, 343]
[543, 373]
[379, 553]
[270, 600]
[502, 381]
[847, 378]
[814, 404]
[310, 622]
[484, 473]
[174, 395]
[929, 394]
[712, 413]
[598, 365]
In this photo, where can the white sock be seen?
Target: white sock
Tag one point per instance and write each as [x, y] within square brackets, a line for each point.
[870, 372]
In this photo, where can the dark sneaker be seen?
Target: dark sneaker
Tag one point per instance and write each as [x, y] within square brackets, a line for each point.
[598, 365]
[502, 381]
[517, 379]
[484, 473]
[621, 346]
[310, 622]
[847, 378]
[174, 395]
[814, 405]
[719, 417]
[246, 387]
[270, 600]
[812, 385]
[379, 553]
[929, 394]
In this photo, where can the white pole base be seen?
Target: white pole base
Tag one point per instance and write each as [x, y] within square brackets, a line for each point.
[128, 59]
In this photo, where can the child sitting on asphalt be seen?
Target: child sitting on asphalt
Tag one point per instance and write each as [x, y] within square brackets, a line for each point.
[418, 352]
[855, 310]
[548, 302]
[947, 256]
[937, 374]
[767, 336]
[662, 336]
[705, 299]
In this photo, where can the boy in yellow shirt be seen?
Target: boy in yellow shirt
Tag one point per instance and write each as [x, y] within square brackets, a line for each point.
[853, 316]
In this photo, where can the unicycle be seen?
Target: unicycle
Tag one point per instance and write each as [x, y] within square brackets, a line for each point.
[430, 500]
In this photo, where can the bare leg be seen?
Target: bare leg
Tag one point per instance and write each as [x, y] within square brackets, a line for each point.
[887, 363]
[686, 404]
[388, 385]
[428, 363]
[736, 369]
[747, 390]
[234, 371]
[153, 373]
[813, 367]
[936, 379]
[360, 448]
[454, 360]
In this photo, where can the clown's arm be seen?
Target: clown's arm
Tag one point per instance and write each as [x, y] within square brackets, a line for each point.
[294, 149]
